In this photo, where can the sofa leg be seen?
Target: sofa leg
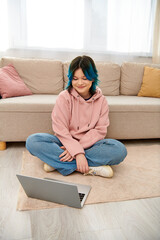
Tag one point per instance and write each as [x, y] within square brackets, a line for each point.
[2, 145]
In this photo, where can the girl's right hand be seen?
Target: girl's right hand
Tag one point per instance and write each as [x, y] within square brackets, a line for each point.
[82, 164]
[65, 156]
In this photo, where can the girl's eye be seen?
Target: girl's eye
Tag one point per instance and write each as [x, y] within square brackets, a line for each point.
[84, 78]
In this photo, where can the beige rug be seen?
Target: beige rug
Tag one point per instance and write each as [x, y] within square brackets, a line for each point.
[137, 177]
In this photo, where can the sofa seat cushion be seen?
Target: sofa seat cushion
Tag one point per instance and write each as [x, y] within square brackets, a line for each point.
[33, 103]
[133, 117]
[123, 103]
[45, 103]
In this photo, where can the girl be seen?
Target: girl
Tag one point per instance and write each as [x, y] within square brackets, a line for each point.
[80, 121]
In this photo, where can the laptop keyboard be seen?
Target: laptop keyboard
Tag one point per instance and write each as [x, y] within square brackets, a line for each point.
[81, 196]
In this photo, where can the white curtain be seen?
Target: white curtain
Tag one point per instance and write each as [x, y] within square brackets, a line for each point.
[156, 42]
[120, 26]
[107, 26]
[55, 24]
[4, 38]
[130, 25]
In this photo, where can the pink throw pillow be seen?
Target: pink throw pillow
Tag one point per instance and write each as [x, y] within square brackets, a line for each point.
[11, 85]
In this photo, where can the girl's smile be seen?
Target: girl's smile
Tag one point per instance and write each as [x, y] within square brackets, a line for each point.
[81, 84]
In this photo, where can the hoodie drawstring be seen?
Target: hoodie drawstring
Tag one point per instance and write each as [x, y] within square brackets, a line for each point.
[77, 97]
[91, 112]
[78, 118]
[78, 112]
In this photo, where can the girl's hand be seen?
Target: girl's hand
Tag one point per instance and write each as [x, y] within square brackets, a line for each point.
[82, 164]
[65, 156]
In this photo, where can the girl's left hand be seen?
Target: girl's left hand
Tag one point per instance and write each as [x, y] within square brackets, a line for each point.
[65, 156]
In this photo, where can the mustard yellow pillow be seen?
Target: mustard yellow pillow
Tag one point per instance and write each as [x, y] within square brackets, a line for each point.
[151, 83]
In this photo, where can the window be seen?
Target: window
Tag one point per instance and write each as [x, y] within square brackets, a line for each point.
[4, 39]
[130, 25]
[55, 24]
[111, 26]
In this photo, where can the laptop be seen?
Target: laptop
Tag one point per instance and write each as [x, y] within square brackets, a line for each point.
[53, 190]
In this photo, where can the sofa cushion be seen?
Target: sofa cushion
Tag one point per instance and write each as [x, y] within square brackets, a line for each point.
[45, 103]
[11, 85]
[33, 103]
[109, 76]
[132, 76]
[40, 75]
[132, 117]
[23, 116]
[133, 104]
[151, 83]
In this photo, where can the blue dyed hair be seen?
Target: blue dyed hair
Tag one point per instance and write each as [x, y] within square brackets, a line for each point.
[89, 69]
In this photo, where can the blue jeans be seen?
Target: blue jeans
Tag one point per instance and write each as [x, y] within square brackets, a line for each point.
[47, 147]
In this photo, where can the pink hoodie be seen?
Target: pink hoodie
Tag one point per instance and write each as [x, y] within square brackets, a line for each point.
[78, 123]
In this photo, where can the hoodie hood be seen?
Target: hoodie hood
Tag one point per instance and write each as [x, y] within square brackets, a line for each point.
[97, 95]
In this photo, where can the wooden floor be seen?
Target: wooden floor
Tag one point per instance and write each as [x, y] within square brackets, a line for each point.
[137, 219]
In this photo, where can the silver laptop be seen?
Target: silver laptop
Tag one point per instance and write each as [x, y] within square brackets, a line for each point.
[52, 190]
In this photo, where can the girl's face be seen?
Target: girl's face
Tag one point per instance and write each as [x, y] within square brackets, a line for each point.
[81, 84]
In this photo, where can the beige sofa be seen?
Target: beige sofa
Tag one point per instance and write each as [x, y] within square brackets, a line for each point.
[131, 117]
